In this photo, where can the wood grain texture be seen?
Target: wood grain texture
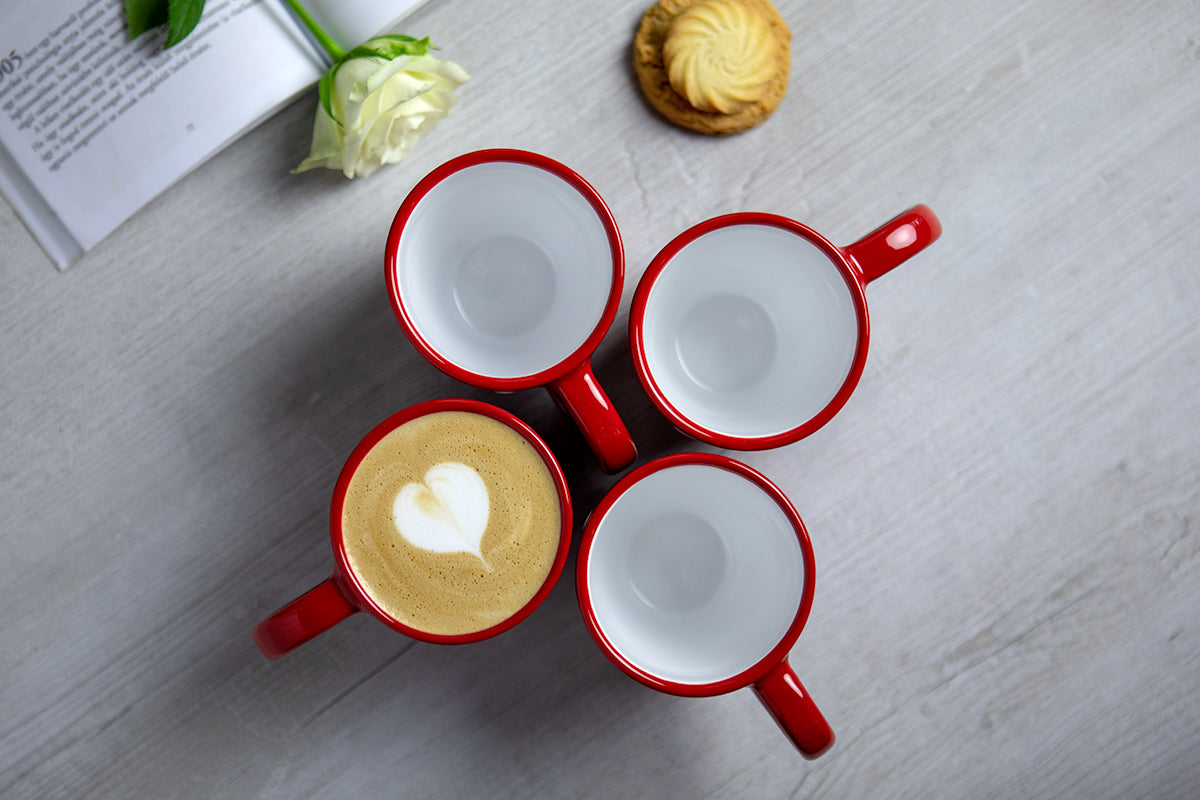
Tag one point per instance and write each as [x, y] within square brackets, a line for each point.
[1004, 514]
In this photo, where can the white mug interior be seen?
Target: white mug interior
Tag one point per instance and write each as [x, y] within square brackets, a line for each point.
[750, 330]
[504, 269]
[695, 574]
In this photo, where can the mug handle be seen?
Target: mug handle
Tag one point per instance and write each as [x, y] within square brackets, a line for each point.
[894, 242]
[579, 394]
[793, 708]
[310, 614]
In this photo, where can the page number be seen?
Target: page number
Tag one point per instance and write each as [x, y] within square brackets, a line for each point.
[9, 64]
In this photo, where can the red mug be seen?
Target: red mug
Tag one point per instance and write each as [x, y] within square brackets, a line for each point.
[348, 592]
[695, 577]
[749, 331]
[504, 269]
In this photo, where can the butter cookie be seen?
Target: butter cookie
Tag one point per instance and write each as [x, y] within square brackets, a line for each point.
[715, 66]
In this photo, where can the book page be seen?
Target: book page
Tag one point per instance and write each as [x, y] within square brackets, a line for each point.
[93, 126]
[352, 22]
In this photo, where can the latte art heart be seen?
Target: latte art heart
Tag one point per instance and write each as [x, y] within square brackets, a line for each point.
[448, 513]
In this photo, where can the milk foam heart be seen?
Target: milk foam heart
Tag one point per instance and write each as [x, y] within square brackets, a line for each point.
[448, 513]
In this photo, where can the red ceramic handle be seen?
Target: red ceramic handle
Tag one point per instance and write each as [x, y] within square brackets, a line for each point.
[894, 242]
[310, 614]
[792, 707]
[579, 394]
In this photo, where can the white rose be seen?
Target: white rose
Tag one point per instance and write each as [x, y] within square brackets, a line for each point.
[377, 102]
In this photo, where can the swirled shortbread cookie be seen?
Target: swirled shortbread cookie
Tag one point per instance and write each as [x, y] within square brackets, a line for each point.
[715, 66]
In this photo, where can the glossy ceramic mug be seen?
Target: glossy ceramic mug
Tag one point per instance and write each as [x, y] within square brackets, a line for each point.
[355, 584]
[695, 577]
[749, 331]
[505, 270]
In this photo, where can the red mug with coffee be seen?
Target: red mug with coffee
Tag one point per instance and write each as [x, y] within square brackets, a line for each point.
[450, 523]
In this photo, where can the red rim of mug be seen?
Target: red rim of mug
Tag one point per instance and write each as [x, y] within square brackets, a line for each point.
[564, 173]
[764, 665]
[854, 283]
[349, 583]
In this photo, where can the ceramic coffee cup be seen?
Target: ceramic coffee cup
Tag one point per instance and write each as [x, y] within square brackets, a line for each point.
[749, 331]
[695, 577]
[450, 523]
[505, 269]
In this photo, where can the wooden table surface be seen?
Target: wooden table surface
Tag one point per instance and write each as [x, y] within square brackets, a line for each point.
[1004, 514]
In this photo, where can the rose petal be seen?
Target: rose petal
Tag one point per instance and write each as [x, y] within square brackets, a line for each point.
[384, 107]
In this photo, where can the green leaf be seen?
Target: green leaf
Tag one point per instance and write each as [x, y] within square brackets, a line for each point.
[144, 15]
[181, 19]
[391, 46]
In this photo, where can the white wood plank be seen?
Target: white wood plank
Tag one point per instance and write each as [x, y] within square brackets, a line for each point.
[1004, 514]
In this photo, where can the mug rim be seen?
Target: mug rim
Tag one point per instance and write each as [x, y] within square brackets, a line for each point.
[851, 276]
[757, 671]
[488, 156]
[349, 582]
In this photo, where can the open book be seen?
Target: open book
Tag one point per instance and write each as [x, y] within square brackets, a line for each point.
[93, 126]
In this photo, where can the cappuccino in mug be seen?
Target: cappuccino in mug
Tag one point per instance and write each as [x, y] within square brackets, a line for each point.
[451, 523]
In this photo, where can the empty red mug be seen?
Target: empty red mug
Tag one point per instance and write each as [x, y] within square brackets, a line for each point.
[505, 268]
[749, 331]
[695, 576]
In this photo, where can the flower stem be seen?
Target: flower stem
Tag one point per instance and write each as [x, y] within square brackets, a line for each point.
[323, 38]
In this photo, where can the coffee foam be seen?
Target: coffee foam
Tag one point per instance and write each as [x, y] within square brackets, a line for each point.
[451, 593]
[446, 513]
